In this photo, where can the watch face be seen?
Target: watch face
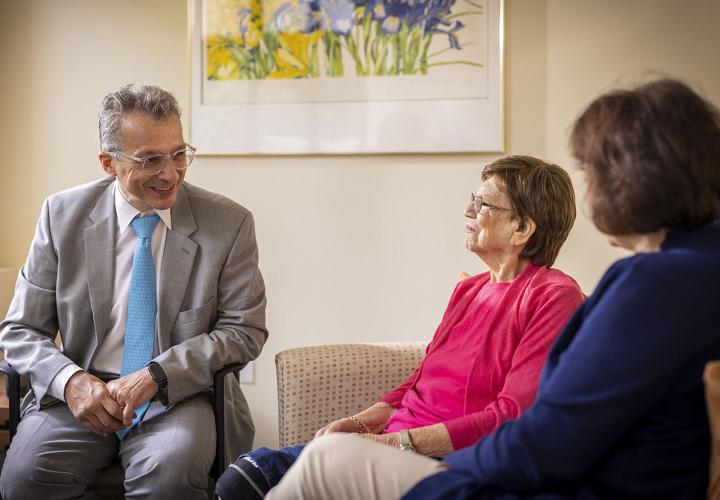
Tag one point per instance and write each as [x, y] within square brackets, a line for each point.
[406, 442]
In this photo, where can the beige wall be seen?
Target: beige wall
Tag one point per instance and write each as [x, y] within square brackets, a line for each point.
[8, 275]
[352, 248]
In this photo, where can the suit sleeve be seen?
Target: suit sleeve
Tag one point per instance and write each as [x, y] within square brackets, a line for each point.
[28, 332]
[239, 333]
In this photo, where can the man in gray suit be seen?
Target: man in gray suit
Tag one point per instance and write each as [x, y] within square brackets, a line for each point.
[131, 335]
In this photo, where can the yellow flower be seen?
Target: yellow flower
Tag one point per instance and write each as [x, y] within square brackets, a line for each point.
[222, 64]
[294, 57]
[251, 24]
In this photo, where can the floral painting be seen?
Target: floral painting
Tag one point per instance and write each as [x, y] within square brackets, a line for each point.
[346, 76]
[310, 39]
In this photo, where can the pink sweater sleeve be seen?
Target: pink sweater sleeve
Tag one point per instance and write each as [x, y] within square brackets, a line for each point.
[546, 319]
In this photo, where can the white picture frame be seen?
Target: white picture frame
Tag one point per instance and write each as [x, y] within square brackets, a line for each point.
[289, 124]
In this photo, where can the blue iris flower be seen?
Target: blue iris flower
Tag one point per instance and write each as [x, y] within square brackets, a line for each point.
[337, 15]
[301, 16]
[449, 31]
[430, 14]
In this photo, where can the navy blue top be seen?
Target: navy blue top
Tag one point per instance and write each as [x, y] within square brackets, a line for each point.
[620, 411]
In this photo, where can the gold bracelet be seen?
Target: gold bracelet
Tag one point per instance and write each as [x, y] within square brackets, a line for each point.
[364, 427]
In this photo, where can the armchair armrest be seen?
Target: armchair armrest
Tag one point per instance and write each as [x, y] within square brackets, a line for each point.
[13, 389]
[319, 384]
[219, 410]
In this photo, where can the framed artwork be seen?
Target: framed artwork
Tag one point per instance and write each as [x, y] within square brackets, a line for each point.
[346, 76]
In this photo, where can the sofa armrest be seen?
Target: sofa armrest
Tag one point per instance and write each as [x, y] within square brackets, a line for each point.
[319, 384]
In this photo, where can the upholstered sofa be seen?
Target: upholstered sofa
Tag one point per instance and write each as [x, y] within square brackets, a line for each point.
[319, 384]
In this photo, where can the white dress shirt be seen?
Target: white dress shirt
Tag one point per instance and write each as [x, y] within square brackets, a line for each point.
[108, 357]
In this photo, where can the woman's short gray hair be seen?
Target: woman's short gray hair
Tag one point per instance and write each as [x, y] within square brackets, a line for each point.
[148, 99]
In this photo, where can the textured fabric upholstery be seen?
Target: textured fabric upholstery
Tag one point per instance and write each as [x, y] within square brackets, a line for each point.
[319, 384]
[712, 397]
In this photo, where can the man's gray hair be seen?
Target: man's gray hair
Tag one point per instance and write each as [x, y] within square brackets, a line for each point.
[148, 99]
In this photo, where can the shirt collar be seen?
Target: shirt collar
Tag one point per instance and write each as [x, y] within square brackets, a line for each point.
[126, 212]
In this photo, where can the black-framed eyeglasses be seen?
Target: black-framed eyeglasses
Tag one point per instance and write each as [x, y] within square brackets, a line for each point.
[479, 204]
[154, 164]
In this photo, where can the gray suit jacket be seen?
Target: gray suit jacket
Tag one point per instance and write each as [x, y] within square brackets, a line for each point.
[211, 308]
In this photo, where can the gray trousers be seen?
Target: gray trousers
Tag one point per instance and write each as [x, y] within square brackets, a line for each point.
[169, 456]
[346, 467]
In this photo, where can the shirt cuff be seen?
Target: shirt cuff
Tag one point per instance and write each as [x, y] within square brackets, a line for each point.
[57, 386]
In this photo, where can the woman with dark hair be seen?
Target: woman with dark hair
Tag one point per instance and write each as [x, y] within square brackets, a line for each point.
[620, 411]
[484, 362]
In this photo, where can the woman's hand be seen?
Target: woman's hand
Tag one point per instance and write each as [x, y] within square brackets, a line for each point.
[431, 440]
[374, 419]
[343, 425]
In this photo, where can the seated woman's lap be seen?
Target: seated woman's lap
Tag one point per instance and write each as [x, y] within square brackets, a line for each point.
[342, 465]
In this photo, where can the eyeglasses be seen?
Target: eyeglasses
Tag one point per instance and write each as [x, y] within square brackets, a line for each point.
[154, 164]
[479, 203]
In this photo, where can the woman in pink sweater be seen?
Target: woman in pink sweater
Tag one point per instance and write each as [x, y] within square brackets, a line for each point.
[483, 364]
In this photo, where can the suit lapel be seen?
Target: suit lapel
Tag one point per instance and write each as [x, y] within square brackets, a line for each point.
[99, 239]
[178, 260]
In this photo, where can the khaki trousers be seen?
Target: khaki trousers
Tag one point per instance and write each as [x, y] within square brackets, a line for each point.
[343, 466]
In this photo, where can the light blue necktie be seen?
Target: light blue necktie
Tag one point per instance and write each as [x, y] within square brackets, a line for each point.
[141, 308]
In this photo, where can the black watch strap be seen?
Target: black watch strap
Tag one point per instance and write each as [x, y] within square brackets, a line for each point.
[158, 375]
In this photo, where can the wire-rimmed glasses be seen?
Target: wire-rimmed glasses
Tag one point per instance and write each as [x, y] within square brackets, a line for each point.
[479, 203]
[154, 164]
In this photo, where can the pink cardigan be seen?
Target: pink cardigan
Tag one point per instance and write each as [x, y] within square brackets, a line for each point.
[515, 340]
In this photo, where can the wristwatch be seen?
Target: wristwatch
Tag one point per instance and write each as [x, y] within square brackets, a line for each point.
[159, 376]
[406, 442]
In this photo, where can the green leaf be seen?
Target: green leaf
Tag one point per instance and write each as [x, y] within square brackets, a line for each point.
[445, 63]
[442, 51]
[474, 4]
[462, 14]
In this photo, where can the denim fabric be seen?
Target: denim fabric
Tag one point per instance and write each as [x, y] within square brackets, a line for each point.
[242, 481]
[275, 463]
